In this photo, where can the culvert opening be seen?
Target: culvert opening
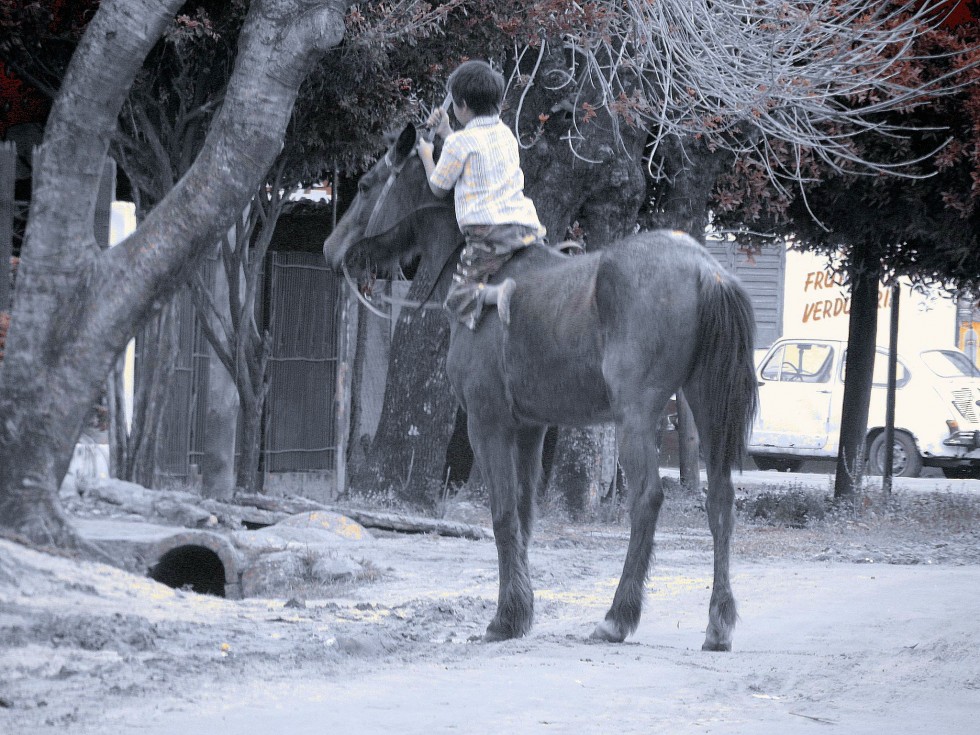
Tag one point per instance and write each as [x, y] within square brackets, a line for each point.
[194, 567]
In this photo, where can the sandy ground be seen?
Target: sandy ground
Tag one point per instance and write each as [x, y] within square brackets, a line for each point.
[865, 622]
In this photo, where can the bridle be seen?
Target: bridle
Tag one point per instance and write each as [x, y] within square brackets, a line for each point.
[393, 172]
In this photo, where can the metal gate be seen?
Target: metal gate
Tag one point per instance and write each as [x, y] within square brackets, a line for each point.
[299, 420]
[300, 409]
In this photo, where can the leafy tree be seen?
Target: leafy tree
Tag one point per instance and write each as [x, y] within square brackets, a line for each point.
[787, 91]
[37, 44]
[161, 130]
[75, 305]
[923, 225]
[162, 126]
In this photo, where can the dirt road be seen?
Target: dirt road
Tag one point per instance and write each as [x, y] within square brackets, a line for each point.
[863, 624]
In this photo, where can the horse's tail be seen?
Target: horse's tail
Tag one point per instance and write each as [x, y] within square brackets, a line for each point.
[724, 366]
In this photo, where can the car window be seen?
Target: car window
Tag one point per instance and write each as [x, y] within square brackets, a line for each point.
[879, 378]
[880, 375]
[800, 362]
[950, 364]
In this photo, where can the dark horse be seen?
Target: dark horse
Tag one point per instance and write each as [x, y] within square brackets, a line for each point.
[602, 337]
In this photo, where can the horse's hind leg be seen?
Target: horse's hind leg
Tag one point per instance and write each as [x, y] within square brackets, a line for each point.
[720, 507]
[640, 461]
[497, 450]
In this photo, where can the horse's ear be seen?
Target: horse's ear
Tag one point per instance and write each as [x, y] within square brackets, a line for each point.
[406, 142]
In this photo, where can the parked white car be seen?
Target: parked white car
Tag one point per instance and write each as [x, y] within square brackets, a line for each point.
[937, 408]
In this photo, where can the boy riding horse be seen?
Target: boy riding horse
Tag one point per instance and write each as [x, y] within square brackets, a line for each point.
[482, 162]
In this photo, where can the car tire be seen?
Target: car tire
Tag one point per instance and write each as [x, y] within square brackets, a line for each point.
[906, 461]
[777, 464]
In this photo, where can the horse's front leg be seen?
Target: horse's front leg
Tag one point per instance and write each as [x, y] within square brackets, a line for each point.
[495, 450]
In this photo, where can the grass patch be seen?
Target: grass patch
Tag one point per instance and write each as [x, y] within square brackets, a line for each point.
[796, 507]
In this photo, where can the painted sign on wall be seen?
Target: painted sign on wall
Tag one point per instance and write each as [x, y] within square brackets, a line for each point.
[818, 304]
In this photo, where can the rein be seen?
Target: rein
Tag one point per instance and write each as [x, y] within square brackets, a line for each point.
[424, 303]
[360, 297]
[394, 301]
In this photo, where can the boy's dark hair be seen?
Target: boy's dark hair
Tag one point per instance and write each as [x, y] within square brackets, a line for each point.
[478, 86]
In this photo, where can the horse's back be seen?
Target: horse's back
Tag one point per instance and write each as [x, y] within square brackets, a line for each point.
[584, 327]
[656, 260]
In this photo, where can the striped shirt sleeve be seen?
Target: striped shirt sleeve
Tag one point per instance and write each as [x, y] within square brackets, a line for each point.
[450, 164]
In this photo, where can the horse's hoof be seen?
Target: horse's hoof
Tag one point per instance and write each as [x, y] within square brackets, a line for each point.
[708, 646]
[495, 635]
[607, 631]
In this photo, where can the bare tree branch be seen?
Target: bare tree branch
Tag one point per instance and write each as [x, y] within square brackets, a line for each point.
[742, 74]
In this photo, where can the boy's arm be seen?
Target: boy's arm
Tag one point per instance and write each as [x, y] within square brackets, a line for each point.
[425, 153]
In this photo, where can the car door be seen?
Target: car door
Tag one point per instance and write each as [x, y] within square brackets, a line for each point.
[796, 388]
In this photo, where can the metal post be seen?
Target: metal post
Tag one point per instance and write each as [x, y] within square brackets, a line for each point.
[886, 473]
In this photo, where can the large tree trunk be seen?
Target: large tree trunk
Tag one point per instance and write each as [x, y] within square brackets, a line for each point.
[407, 457]
[597, 189]
[691, 169]
[220, 429]
[603, 198]
[76, 306]
[862, 333]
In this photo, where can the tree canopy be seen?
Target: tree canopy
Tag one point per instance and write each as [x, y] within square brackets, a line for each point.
[925, 226]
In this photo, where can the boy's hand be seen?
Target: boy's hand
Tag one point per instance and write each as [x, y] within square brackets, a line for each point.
[439, 119]
[425, 150]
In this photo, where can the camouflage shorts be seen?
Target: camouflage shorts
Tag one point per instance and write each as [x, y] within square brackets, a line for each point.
[487, 248]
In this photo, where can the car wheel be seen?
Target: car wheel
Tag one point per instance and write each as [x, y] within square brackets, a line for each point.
[779, 465]
[906, 461]
[962, 473]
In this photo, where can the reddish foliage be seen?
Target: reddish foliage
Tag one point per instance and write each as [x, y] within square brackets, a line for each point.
[960, 11]
[27, 29]
[19, 102]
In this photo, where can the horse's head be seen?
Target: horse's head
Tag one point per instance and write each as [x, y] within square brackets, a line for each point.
[373, 231]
